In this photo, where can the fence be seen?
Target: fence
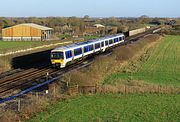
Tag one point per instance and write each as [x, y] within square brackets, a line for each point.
[36, 99]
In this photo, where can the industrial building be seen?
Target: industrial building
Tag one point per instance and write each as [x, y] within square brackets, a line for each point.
[28, 31]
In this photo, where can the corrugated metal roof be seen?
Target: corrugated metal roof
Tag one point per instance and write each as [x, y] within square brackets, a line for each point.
[34, 26]
[37, 26]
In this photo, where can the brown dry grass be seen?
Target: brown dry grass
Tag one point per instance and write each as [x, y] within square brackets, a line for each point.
[37, 104]
[9, 116]
[34, 103]
[126, 89]
[5, 64]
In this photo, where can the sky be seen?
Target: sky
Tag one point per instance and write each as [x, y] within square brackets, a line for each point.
[93, 8]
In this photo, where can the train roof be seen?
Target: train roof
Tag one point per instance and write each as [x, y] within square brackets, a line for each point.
[76, 45]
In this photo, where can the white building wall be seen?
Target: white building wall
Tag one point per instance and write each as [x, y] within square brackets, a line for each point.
[21, 38]
[7, 38]
[36, 38]
[17, 38]
[26, 38]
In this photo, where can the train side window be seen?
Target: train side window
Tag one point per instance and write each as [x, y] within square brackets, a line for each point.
[106, 43]
[120, 38]
[77, 51]
[97, 45]
[102, 44]
[110, 41]
[86, 49]
[68, 54]
[91, 47]
[115, 40]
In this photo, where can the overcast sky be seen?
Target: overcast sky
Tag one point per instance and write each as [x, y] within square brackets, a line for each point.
[93, 8]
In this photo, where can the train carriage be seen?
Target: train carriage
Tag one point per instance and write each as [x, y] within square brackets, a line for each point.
[64, 55]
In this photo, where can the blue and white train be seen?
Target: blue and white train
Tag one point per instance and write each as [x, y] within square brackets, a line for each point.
[64, 55]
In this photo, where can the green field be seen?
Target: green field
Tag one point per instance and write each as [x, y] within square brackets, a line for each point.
[114, 107]
[162, 66]
[17, 44]
[6, 46]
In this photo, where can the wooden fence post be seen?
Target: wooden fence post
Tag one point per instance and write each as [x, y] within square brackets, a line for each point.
[47, 75]
[77, 88]
[67, 84]
[125, 89]
[19, 105]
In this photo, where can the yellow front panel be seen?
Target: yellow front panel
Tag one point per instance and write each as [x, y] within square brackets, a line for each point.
[56, 61]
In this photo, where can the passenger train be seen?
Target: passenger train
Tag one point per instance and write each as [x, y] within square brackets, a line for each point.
[65, 55]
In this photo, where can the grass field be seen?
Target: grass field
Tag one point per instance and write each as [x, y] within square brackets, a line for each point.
[114, 107]
[6, 46]
[161, 67]
[17, 44]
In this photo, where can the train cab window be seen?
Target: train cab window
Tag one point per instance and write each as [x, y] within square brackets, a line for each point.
[106, 43]
[97, 45]
[86, 49]
[102, 44]
[57, 55]
[68, 54]
[110, 41]
[123, 37]
[116, 40]
[77, 51]
[91, 47]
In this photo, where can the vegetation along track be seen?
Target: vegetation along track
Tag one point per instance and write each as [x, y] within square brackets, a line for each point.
[14, 83]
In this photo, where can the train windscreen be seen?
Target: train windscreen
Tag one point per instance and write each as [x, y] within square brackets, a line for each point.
[57, 55]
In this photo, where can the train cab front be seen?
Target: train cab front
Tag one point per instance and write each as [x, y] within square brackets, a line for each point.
[57, 59]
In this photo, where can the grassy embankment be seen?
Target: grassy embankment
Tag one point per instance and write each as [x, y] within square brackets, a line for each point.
[160, 67]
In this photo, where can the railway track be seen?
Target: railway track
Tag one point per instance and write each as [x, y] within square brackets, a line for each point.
[22, 79]
[17, 81]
